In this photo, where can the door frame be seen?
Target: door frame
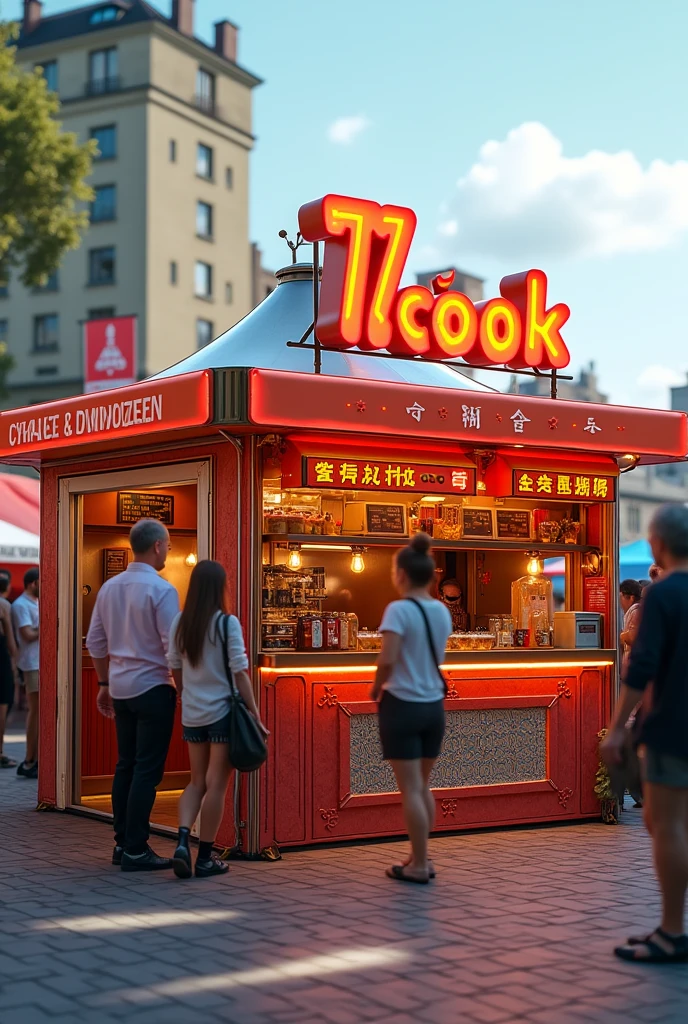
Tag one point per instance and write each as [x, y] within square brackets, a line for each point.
[70, 537]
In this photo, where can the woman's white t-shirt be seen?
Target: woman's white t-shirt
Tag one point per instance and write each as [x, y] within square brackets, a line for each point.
[415, 677]
[205, 688]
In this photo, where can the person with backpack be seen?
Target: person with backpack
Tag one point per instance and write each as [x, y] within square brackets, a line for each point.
[207, 656]
[410, 688]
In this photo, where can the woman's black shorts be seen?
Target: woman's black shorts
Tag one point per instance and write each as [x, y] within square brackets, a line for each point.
[410, 730]
[218, 732]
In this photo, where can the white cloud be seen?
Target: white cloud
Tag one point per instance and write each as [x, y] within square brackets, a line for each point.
[657, 376]
[344, 130]
[524, 199]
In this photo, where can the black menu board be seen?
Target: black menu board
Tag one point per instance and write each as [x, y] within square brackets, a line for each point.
[477, 522]
[513, 523]
[386, 519]
[135, 505]
[115, 561]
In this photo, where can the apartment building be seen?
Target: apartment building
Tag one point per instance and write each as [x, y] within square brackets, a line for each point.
[169, 237]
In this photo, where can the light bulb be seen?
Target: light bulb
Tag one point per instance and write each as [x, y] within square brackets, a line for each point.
[357, 563]
[294, 558]
[190, 559]
[534, 567]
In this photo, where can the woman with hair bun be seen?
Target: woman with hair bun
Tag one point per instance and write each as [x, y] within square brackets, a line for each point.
[410, 687]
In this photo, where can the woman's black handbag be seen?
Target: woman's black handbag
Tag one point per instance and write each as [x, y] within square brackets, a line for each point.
[246, 746]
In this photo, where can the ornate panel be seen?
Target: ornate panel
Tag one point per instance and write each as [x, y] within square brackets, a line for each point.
[486, 747]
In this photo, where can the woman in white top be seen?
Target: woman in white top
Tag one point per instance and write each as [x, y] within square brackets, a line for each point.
[197, 661]
[411, 689]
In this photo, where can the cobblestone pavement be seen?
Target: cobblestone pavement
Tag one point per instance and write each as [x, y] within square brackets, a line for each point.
[518, 926]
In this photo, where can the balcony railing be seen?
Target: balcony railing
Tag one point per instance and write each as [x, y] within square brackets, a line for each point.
[206, 104]
[101, 86]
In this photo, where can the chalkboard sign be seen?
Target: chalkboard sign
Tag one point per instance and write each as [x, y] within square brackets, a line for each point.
[513, 523]
[115, 561]
[386, 519]
[477, 522]
[134, 505]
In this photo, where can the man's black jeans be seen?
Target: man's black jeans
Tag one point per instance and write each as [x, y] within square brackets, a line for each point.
[144, 730]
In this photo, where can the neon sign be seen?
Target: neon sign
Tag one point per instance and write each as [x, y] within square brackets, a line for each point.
[361, 303]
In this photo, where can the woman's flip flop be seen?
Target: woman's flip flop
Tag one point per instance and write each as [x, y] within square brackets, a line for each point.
[397, 872]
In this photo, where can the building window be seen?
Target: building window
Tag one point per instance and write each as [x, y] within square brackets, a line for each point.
[173, 271]
[49, 70]
[203, 280]
[633, 518]
[205, 91]
[173, 151]
[50, 284]
[229, 177]
[105, 14]
[4, 289]
[101, 265]
[103, 71]
[204, 333]
[4, 331]
[229, 293]
[46, 371]
[104, 205]
[204, 161]
[101, 313]
[46, 333]
[106, 139]
[204, 220]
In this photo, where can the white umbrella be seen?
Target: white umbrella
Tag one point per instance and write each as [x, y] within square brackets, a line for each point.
[17, 545]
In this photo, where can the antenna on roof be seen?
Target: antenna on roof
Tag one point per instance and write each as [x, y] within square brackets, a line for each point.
[293, 245]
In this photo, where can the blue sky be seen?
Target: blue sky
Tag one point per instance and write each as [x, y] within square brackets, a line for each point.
[582, 108]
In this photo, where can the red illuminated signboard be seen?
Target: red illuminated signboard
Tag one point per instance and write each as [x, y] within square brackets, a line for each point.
[148, 408]
[109, 353]
[531, 483]
[366, 246]
[350, 474]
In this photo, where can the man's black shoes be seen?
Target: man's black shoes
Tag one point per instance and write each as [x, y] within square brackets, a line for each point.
[148, 861]
[117, 855]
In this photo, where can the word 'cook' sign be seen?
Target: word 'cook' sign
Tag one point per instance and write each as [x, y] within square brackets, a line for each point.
[366, 246]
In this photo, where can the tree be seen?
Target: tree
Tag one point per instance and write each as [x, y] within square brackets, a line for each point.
[42, 172]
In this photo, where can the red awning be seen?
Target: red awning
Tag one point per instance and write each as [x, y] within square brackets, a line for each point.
[20, 501]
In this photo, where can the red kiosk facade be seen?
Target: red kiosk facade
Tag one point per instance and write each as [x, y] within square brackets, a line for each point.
[253, 458]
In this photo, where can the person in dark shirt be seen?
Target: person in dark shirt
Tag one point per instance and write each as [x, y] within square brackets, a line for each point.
[660, 656]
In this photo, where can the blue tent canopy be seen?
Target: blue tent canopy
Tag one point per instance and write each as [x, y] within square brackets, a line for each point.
[635, 560]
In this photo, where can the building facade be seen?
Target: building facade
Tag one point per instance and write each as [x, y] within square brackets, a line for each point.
[169, 236]
[585, 389]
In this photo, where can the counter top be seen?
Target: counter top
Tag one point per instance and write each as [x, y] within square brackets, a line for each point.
[555, 656]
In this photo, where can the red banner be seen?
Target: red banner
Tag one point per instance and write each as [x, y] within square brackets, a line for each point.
[354, 475]
[149, 408]
[531, 483]
[109, 353]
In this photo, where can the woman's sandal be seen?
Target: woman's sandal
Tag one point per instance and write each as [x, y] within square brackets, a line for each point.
[431, 868]
[397, 872]
[7, 762]
[657, 952]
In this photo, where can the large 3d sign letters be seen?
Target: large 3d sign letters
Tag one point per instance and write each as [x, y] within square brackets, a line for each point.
[361, 305]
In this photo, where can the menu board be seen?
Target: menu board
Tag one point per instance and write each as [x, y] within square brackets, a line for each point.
[596, 594]
[115, 561]
[513, 523]
[477, 522]
[386, 519]
[135, 505]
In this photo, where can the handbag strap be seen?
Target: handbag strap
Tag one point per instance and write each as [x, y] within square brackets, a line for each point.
[431, 642]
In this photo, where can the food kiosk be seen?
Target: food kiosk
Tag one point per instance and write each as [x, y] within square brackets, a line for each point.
[301, 449]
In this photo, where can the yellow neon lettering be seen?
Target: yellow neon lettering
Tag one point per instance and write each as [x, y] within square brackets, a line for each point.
[355, 258]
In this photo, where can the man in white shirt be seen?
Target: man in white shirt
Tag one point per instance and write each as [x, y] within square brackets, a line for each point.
[128, 640]
[25, 622]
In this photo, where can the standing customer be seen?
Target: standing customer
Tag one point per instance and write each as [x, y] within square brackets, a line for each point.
[411, 689]
[8, 657]
[199, 638]
[127, 640]
[25, 621]
[630, 593]
[659, 656]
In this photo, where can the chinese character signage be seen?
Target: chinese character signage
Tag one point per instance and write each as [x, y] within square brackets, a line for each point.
[533, 483]
[366, 475]
[361, 304]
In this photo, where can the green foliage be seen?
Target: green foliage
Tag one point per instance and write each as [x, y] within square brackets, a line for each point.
[42, 172]
[6, 364]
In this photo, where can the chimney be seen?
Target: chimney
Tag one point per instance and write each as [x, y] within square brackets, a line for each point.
[226, 40]
[33, 10]
[183, 16]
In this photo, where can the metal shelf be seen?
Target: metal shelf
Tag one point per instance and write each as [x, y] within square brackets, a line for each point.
[470, 544]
